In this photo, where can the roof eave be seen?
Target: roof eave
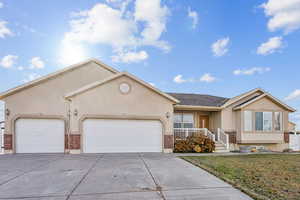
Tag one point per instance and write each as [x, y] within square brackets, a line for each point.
[195, 107]
[95, 84]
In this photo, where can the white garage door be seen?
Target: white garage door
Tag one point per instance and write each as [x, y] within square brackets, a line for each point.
[107, 136]
[39, 136]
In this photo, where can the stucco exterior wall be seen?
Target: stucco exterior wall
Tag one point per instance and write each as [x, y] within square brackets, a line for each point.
[47, 98]
[106, 101]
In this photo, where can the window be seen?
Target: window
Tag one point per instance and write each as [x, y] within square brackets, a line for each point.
[278, 121]
[183, 120]
[263, 121]
[247, 120]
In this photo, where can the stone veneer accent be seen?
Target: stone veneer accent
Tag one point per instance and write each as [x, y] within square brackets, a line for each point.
[232, 136]
[8, 142]
[168, 142]
[286, 137]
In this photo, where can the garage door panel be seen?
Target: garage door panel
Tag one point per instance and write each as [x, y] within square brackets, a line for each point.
[104, 136]
[39, 136]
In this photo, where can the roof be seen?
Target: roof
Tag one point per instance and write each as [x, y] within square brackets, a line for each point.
[52, 75]
[199, 99]
[98, 83]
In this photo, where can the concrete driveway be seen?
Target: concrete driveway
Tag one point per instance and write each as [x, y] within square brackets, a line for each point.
[108, 176]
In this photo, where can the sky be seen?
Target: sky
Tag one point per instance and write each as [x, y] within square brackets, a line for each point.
[222, 48]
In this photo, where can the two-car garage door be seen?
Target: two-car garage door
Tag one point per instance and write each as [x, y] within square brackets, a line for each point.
[109, 135]
[99, 136]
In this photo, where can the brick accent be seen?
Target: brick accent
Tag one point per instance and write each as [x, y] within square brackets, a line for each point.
[168, 141]
[8, 142]
[74, 141]
[66, 142]
[232, 137]
[286, 137]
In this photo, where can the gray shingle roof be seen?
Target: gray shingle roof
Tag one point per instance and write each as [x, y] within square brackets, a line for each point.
[199, 99]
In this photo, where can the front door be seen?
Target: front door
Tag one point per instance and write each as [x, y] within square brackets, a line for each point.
[204, 121]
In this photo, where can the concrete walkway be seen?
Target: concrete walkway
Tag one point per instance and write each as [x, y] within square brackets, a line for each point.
[108, 176]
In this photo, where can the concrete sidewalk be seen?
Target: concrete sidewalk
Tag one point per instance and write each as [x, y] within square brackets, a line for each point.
[108, 176]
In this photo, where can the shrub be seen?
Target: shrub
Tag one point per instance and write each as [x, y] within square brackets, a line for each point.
[194, 144]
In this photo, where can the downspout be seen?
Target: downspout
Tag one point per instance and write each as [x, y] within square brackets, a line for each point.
[69, 122]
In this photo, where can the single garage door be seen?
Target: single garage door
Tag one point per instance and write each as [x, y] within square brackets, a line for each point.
[107, 136]
[39, 136]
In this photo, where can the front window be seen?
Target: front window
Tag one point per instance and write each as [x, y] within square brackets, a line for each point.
[183, 120]
[248, 120]
[263, 121]
[278, 121]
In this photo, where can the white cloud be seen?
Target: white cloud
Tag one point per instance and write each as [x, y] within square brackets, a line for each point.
[117, 26]
[20, 68]
[152, 84]
[208, 78]
[194, 16]
[294, 95]
[31, 77]
[72, 53]
[271, 46]
[130, 57]
[37, 63]
[155, 16]
[8, 61]
[4, 30]
[220, 47]
[179, 79]
[1, 5]
[251, 71]
[284, 14]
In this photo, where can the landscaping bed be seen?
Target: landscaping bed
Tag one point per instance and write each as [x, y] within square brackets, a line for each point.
[262, 176]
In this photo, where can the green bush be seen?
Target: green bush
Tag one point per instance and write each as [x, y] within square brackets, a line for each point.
[194, 144]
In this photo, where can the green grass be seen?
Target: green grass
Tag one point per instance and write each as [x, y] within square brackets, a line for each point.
[272, 176]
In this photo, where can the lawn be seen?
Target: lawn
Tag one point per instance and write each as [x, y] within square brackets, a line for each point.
[271, 176]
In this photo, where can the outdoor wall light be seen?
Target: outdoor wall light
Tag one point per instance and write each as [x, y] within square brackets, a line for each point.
[7, 112]
[168, 115]
[75, 112]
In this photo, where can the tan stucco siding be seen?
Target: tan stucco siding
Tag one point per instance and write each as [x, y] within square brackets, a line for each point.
[47, 98]
[107, 100]
[215, 121]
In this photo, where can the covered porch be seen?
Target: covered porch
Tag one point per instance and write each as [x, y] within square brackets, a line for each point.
[192, 120]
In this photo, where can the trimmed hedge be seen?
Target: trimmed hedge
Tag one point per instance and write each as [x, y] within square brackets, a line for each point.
[194, 144]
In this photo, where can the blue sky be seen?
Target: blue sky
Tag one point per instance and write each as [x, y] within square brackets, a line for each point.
[193, 46]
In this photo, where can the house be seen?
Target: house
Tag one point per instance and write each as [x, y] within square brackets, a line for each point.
[92, 108]
[292, 126]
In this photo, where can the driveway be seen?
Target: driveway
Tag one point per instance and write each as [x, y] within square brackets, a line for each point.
[108, 176]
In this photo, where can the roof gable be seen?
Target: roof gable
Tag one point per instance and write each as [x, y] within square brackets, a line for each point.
[53, 75]
[98, 83]
[272, 98]
[242, 96]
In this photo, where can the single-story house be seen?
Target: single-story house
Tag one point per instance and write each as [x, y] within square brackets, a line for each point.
[92, 108]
